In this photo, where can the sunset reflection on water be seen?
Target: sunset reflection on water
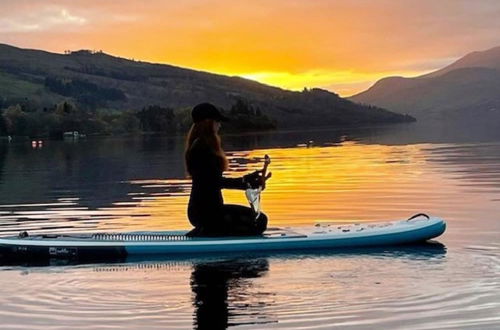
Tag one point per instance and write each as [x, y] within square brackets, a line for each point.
[346, 181]
[343, 183]
[121, 185]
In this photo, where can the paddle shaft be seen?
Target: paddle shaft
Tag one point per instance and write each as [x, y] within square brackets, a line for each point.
[267, 161]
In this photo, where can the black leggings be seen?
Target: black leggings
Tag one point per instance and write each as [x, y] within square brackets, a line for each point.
[235, 220]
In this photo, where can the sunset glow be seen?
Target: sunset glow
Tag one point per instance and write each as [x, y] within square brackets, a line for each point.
[343, 46]
[335, 184]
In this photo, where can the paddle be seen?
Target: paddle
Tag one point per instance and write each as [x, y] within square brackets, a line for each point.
[265, 175]
[253, 195]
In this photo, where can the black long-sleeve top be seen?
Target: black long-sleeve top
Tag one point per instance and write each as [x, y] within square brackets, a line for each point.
[205, 201]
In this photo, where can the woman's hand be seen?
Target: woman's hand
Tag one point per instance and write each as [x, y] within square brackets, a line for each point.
[254, 179]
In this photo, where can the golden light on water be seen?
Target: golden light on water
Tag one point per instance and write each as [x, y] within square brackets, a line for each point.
[337, 183]
[342, 183]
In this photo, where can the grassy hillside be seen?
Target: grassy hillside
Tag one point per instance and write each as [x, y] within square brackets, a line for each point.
[11, 86]
[99, 81]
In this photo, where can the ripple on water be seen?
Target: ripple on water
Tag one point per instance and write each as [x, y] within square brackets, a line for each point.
[455, 287]
[66, 296]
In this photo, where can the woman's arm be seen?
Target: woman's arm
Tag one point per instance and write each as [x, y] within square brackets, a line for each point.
[252, 180]
[207, 169]
[233, 183]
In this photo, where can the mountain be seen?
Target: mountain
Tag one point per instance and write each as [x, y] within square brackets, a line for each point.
[468, 89]
[95, 80]
[487, 59]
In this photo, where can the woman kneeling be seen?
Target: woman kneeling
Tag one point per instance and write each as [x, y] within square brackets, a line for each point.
[205, 163]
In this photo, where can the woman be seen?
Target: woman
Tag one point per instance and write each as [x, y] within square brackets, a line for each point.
[205, 163]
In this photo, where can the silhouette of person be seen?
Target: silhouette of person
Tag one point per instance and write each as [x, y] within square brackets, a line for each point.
[212, 282]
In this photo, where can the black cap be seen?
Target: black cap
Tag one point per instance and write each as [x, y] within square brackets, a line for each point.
[206, 111]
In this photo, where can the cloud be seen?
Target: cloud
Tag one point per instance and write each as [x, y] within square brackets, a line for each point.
[46, 18]
[62, 16]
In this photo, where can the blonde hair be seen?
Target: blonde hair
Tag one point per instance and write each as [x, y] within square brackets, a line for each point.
[205, 133]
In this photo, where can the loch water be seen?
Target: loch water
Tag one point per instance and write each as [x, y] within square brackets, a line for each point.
[323, 175]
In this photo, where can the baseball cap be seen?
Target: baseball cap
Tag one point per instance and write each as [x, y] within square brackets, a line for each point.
[206, 111]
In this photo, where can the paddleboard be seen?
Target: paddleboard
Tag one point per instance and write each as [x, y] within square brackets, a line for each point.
[320, 236]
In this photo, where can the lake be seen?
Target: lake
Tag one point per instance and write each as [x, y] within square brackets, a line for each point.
[327, 175]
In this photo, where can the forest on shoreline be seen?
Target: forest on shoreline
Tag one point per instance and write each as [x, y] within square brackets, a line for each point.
[22, 120]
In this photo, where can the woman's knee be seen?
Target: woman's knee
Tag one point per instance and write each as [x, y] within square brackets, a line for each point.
[261, 223]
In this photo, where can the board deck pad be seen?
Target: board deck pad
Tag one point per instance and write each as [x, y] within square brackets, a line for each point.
[158, 236]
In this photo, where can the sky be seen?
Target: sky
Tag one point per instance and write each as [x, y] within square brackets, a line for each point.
[340, 45]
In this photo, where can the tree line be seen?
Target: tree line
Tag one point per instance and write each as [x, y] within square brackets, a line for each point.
[21, 120]
[83, 91]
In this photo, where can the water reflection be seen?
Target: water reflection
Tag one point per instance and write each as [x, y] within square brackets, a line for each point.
[292, 290]
[229, 263]
[475, 166]
[363, 175]
[347, 175]
[218, 289]
[224, 293]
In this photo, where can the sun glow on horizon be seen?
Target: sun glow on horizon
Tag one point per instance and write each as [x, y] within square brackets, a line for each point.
[339, 45]
[344, 83]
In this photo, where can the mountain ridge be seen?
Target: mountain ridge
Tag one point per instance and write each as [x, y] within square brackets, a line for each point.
[467, 88]
[99, 80]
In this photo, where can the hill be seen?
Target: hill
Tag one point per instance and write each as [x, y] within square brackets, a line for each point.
[95, 80]
[468, 89]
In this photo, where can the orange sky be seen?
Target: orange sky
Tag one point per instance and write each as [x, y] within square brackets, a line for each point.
[343, 46]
